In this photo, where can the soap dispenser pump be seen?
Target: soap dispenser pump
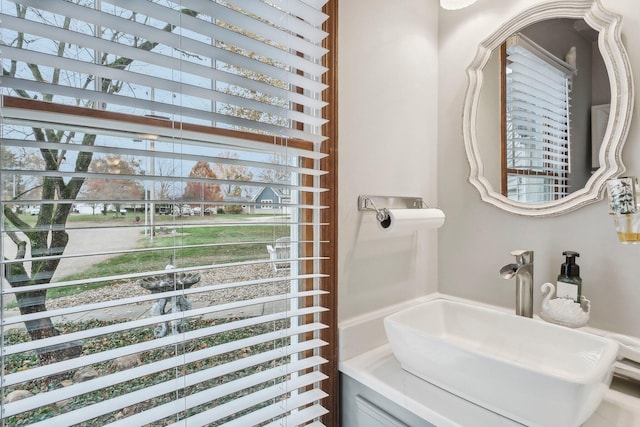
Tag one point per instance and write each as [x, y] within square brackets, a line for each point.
[569, 284]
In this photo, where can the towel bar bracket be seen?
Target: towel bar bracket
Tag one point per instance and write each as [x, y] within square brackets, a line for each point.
[381, 204]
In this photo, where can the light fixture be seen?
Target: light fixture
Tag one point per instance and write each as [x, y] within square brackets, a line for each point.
[455, 4]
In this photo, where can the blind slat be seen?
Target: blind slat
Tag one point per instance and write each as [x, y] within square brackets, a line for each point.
[531, 110]
[307, 26]
[104, 407]
[526, 137]
[158, 83]
[157, 60]
[11, 291]
[120, 177]
[218, 33]
[67, 365]
[133, 324]
[31, 288]
[203, 397]
[301, 417]
[78, 389]
[533, 148]
[170, 109]
[288, 24]
[278, 409]
[310, 11]
[172, 16]
[143, 153]
[150, 297]
[121, 128]
[242, 403]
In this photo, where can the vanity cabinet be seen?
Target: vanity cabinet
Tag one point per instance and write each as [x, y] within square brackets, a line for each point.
[363, 407]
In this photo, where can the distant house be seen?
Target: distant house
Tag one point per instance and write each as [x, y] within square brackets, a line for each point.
[271, 200]
[233, 205]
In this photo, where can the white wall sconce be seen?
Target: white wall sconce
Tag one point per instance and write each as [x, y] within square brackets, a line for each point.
[455, 4]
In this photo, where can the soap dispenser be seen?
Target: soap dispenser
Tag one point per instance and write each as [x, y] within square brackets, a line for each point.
[569, 284]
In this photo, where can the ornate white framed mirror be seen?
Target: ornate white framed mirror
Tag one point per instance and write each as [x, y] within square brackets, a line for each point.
[559, 171]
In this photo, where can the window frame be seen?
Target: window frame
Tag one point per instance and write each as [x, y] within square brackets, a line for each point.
[328, 234]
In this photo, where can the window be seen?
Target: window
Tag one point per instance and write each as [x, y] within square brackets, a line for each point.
[137, 284]
[536, 135]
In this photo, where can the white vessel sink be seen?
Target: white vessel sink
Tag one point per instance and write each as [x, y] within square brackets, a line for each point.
[533, 372]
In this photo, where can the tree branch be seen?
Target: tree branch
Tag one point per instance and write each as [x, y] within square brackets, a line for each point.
[17, 196]
[15, 239]
[15, 272]
[15, 219]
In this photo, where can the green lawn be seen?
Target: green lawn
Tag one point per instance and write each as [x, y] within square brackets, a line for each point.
[230, 244]
[129, 219]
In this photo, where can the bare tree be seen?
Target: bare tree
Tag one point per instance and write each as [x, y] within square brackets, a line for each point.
[281, 175]
[231, 172]
[19, 185]
[167, 187]
[13, 186]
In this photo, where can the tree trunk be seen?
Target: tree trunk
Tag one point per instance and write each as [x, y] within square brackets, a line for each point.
[34, 302]
[42, 270]
[52, 218]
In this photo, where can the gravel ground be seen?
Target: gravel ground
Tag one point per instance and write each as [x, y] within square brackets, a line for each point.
[207, 278]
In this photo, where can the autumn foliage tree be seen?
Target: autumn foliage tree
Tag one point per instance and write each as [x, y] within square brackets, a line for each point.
[113, 189]
[201, 190]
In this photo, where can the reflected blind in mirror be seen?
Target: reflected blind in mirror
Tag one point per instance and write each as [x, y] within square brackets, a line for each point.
[162, 212]
[537, 131]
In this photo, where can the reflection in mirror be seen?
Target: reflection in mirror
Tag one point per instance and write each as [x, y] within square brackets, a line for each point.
[550, 75]
[548, 108]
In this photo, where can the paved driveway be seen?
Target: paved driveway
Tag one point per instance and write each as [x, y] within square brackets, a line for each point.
[82, 241]
[92, 241]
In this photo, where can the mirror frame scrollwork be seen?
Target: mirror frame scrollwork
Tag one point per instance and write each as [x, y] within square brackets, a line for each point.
[621, 84]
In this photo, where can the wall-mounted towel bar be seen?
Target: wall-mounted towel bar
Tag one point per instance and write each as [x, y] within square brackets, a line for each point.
[381, 204]
[397, 213]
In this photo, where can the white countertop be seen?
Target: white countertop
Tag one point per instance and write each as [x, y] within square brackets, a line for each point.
[375, 366]
[379, 370]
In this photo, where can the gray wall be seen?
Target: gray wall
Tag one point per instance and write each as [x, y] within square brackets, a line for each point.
[388, 90]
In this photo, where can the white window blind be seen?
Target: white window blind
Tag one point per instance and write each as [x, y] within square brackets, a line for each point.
[142, 292]
[537, 102]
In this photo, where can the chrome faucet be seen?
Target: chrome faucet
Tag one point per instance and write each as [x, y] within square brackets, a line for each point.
[522, 270]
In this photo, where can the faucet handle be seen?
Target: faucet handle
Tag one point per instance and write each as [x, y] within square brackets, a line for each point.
[523, 255]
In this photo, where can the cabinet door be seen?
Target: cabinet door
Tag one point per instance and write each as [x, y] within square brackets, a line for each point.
[361, 406]
[371, 415]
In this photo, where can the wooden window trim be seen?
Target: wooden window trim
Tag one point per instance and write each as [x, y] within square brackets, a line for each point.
[503, 118]
[37, 105]
[329, 216]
